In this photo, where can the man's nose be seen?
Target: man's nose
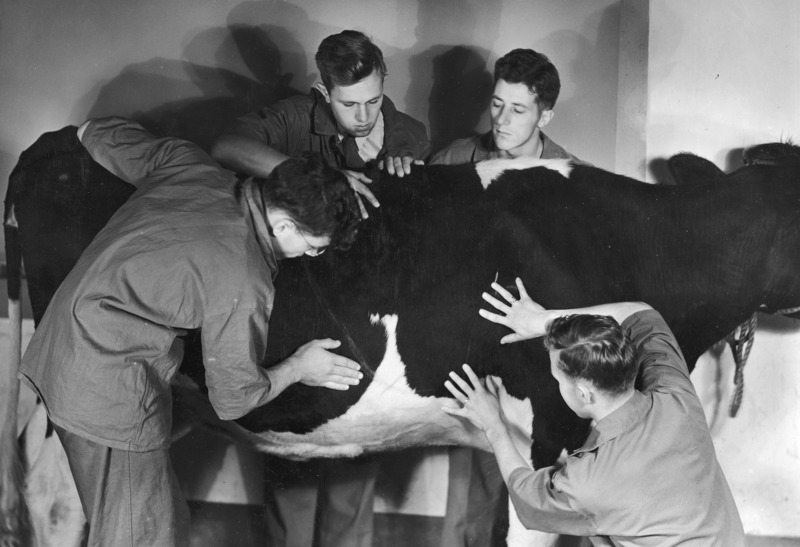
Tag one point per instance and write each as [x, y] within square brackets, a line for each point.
[502, 118]
[361, 113]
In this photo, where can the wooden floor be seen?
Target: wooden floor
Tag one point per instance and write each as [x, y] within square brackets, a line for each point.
[223, 525]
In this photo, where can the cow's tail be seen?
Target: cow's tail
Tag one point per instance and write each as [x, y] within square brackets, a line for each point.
[15, 525]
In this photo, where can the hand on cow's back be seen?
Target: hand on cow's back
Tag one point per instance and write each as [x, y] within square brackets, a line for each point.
[314, 365]
[524, 316]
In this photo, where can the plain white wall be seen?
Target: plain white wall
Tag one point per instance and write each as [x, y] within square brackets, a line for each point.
[724, 75]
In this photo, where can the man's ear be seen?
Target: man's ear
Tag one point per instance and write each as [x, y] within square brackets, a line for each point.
[324, 90]
[282, 225]
[547, 115]
[586, 394]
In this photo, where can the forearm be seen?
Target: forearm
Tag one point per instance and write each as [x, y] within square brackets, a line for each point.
[281, 376]
[246, 155]
[506, 453]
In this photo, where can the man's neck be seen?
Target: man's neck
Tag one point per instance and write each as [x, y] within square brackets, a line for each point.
[530, 149]
[607, 405]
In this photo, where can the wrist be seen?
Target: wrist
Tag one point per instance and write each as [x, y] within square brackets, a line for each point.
[289, 369]
[496, 433]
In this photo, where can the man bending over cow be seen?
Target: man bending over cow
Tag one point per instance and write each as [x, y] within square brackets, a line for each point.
[191, 249]
[647, 473]
[350, 122]
[526, 87]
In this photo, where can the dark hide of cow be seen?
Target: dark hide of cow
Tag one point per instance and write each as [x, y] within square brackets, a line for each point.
[60, 198]
[437, 241]
[705, 255]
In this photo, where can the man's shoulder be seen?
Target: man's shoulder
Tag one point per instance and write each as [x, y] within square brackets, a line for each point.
[552, 150]
[300, 103]
[464, 150]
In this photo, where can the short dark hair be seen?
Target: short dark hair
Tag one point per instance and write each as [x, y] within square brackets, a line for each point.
[594, 348]
[525, 66]
[316, 196]
[347, 58]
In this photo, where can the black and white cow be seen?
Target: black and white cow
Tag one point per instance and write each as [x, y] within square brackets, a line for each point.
[404, 298]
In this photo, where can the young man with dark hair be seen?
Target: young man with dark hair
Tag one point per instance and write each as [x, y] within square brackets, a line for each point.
[192, 248]
[349, 121]
[346, 118]
[526, 87]
[647, 473]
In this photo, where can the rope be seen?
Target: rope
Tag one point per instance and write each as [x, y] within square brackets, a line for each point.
[741, 341]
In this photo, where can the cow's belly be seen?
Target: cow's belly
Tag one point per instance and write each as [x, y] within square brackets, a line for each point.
[389, 416]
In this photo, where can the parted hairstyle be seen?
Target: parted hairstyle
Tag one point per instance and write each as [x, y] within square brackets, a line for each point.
[316, 196]
[347, 58]
[525, 66]
[593, 348]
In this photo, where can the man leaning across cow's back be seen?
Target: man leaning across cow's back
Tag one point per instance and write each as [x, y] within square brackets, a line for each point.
[193, 248]
[647, 474]
[346, 118]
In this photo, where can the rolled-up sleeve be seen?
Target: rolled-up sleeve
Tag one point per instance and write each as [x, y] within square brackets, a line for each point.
[661, 363]
[234, 344]
[543, 502]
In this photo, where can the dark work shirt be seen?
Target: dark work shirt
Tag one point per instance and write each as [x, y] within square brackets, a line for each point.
[305, 123]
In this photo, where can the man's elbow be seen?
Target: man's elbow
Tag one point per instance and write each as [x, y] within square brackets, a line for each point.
[221, 148]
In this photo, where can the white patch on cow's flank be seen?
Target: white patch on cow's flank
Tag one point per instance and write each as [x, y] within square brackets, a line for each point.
[389, 415]
[490, 170]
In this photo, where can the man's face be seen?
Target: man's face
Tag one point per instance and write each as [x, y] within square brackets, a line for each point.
[516, 119]
[289, 241]
[356, 107]
[567, 386]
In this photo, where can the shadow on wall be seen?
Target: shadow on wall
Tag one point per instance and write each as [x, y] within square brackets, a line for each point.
[460, 93]
[194, 101]
[455, 77]
[583, 122]
[661, 173]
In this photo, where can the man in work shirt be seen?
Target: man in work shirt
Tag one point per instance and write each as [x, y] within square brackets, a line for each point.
[647, 474]
[526, 87]
[349, 121]
[191, 249]
[346, 118]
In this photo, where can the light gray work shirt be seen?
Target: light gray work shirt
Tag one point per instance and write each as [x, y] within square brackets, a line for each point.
[189, 250]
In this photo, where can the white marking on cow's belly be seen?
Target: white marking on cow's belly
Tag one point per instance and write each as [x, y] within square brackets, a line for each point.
[490, 170]
[389, 416]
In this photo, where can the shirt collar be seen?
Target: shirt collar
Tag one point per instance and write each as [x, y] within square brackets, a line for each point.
[618, 422]
[258, 212]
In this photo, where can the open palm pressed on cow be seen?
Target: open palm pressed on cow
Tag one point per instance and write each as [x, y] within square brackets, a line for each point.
[404, 299]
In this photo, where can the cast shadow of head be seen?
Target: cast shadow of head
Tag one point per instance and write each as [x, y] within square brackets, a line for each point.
[460, 91]
[192, 100]
[449, 80]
